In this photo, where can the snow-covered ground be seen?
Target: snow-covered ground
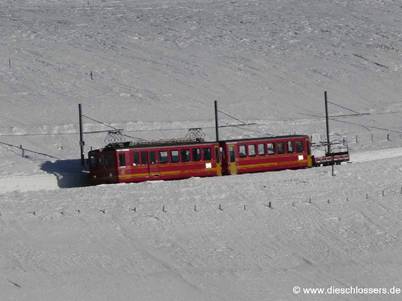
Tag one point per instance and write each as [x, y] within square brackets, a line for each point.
[154, 68]
[207, 239]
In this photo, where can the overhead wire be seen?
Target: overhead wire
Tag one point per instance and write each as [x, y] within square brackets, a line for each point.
[355, 113]
[345, 108]
[28, 150]
[243, 124]
[101, 122]
[367, 127]
[231, 116]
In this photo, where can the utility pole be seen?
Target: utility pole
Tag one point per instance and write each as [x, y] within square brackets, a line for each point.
[82, 143]
[216, 121]
[327, 123]
[328, 140]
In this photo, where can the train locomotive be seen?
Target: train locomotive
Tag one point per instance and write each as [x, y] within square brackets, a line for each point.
[128, 162]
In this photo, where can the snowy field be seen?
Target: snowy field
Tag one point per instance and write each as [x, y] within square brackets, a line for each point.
[207, 239]
[154, 68]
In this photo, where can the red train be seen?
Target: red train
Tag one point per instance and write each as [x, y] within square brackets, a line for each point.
[135, 162]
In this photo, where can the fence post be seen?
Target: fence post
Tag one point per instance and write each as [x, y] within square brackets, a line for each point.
[22, 151]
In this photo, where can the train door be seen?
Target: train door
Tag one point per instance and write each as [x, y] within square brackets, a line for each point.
[309, 157]
[122, 160]
[109, 166]
[231, 159]
[153, 165]
[218, 159]
[145, 163]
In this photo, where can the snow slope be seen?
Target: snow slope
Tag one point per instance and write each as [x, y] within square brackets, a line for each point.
[170, 240]
[277, 56]
[153, 68]
[160, 64]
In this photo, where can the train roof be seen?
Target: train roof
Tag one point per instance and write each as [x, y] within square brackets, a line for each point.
[181, 142]
[157, 143]
[265, 138]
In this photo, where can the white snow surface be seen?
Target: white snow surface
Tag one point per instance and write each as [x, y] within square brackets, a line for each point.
[376, 155]
[156, 68]
[170, 240]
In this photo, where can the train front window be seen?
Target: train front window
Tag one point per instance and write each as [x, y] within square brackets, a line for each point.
[92, 161]
[299, 146]
[261, 149]
[270, 149]
[242, 151]
[196, 154]
[107, 162]
[207, 154]
[290, 147]
[144, 157]
[175, 156]
[163, 157]
[251, 150]
[185, 155]
[122, 159]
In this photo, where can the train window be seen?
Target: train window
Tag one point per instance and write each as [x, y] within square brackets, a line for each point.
[207, 154]
[175, 156]
[185, 155]
[196, 154]
[251, 150]
[261, 149]
[107, 162]
[217, 157]
[122, 159]
[242, 151]
[163, 157]
[152, 157]
[232, 153]
[270, 149]
[136, 158]
[92, 162]
[299, 146]
[290, 147]
[280, 147]
[144, 157]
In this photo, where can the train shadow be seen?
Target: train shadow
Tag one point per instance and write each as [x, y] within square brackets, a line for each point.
[69, 173]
